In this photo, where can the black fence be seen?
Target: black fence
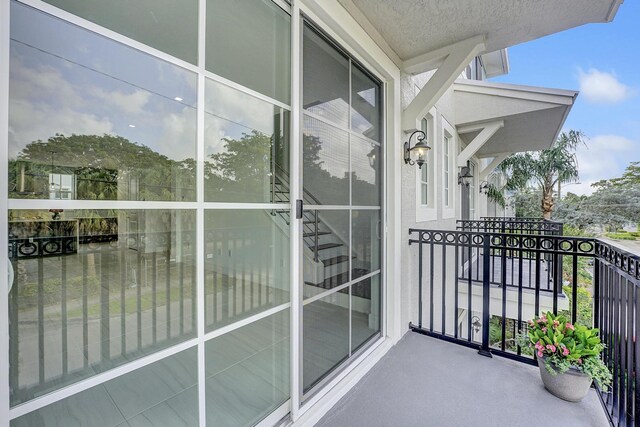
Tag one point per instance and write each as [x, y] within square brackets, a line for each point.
[479, 288]
[519, 265]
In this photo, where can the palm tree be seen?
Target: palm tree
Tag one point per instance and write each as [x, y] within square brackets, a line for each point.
[546, 168]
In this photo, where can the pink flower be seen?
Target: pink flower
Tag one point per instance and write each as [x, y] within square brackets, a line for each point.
[570, 326]
[539, 346]
[544, 329]
[579, 361]
[556, 323]
[565, 351]
[540, 354]
[542, 319]
[530, 322]
[551, 347]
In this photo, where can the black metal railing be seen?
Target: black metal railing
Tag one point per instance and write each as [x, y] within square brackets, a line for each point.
[479, 288]
[509, 259]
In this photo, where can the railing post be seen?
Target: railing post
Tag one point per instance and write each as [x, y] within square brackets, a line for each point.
[596, 289]
[486, 295]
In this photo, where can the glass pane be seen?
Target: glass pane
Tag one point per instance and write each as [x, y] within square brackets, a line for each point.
[249, 42]
[162, 393]
[166, 25]
[92, 119]
[366, 244]
[326, 79]
[326, 250]
[248, 372]
[247, 263]
[365, 310]
[365, 104]
[246, 147]
[325, 164]
[94, 289]
[425, 193]
[365, 163]
[325, 337]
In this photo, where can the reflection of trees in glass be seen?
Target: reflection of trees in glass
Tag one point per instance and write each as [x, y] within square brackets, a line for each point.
[106, 167]
[244, 169]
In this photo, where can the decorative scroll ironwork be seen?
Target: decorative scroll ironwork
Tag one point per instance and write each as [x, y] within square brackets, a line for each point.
[624, 261]
[493, 267]
[511, 226]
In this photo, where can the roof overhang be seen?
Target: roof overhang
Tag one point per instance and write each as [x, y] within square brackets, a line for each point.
[531, 117]
[407, 30]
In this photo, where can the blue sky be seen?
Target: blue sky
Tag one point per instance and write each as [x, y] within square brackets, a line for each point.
[602, 61]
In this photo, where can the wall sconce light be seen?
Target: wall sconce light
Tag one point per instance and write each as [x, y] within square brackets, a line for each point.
[464, 175]
[475, 323]
[420, 149]
[372, 157]
[484, 187]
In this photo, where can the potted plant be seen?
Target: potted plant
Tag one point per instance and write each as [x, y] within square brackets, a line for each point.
[568, 356]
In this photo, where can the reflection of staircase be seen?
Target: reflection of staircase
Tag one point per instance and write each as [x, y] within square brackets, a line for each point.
[326, 252]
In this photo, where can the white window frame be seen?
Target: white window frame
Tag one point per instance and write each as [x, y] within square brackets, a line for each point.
[448, 180]
[428, 211]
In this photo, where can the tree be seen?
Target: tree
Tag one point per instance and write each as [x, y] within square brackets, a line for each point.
[546, 168]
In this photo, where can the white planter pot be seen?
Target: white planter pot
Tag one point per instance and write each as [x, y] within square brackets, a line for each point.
[572, 385]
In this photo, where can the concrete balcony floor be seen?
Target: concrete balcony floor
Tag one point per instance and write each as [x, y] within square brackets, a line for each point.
[424, 381]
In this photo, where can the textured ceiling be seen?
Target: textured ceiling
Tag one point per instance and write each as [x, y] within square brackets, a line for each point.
[413, 27]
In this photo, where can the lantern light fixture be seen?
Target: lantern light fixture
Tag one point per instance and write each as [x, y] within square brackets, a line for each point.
[420, 149]
[464, 175]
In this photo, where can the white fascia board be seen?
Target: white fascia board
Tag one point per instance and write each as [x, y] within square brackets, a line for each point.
[532, 93]
[454, 59]
[615, 5]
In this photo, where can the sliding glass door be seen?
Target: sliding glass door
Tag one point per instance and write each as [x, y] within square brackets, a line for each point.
[342, 173]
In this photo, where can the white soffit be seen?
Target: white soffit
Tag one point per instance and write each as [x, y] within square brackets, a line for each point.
[407, 29]
[532, 117]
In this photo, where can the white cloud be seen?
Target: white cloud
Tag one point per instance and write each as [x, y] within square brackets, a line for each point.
[129, 103]
[604, 157]
[601, 87]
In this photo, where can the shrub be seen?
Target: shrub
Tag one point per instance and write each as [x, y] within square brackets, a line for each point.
[565, 346]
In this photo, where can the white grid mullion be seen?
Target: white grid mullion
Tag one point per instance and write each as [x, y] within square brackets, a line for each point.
[339, 288]
[110, 34]
[4, 218]
[341, 208]
[247, 206]
[244, 322]
[246, 90]
[200, 154]
[350, 157]
[295, 192]
[97, 379]
[347, 129]
[96, 204]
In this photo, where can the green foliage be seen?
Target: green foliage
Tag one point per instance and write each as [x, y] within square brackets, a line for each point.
[496, 195]
[104, 167]
[621, 236]
[566, 346]
[544, 168]
[526, 203]
[584, 315]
